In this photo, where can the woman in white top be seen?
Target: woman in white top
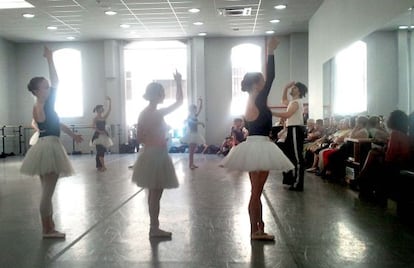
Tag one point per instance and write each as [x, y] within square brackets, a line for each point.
[296, 132]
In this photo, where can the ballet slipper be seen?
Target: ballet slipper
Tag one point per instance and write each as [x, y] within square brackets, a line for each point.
[54, 235]
[262, 236]
[156, 232]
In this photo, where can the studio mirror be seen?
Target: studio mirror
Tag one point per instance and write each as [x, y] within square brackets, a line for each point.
[373, 75]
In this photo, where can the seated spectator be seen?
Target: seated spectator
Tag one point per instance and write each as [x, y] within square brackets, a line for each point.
[238, 131]
[382, 165]
[310, 126]
[333, 125]
[334, 160]
[411, 132]
[226, 146]
[333, 141]
[315, 132]
[378, 134]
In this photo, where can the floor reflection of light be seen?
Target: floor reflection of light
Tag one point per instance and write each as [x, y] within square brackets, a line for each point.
[241, 220]
[179, 171]
[349, 246]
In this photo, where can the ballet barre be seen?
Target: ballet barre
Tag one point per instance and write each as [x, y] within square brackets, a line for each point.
[14, 134]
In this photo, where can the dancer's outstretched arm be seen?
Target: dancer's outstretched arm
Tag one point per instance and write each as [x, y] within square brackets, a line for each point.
[108, 110]
[200, 106]
[54, 80]
[292, 109]
[178, 98]
[285, 99]
[78, 138]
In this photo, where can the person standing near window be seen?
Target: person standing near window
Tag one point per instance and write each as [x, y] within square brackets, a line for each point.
[258, 154]
[192, 137]
[154, 169]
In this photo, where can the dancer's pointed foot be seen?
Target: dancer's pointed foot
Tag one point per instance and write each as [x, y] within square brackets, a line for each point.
[54, 235]
[156, 232]
[260, 235]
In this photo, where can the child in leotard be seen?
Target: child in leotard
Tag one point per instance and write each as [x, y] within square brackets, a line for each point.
[154, 169]
[47, 157]
[101, 138]
[192, 137]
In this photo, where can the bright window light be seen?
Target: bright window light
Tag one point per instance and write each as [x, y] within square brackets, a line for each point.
[244, 58]
[350, 80]
[11, 4]
[69, 101]
[155, 61]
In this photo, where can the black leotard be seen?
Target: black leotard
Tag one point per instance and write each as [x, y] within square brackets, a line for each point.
[100, 125]
[263, 123]
[51, 125]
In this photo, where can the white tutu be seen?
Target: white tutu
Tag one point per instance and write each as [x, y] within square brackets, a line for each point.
[154, 169]
[102, 140]
[255, 154]
[34, 138]
[193, 137]
[47, 156]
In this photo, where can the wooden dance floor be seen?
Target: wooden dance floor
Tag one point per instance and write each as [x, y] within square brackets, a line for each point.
[106, 221]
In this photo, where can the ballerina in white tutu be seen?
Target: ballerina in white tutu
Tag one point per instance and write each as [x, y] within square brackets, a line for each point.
[47, 158]
[100, 138]
[154, 169]
[192, 137]
[258, 154]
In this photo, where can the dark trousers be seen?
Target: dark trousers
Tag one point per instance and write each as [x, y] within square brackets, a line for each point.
[294, 151]
[100, 152]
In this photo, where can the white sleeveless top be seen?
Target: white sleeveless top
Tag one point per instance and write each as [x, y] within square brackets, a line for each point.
[297, 118]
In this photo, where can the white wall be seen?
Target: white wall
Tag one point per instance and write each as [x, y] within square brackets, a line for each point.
[382, 72]
[7, 82]
[336, 25]
[405, 70]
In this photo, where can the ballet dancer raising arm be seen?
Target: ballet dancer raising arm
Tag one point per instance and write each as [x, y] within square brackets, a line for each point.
[154, 169]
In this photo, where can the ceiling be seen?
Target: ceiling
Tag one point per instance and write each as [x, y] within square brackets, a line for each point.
[86, 20]
[405, 19]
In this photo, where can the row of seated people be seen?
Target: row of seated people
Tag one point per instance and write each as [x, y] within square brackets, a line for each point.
[390, 151]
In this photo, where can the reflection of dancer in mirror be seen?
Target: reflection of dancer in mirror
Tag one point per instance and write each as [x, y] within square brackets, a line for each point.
[154, 169]
[192, 137]
[101, 138]
[258, 154]
[47, 158]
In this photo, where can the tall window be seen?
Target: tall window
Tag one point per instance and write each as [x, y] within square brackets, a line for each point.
[350, 80]
[69, 101]
[155, 61]
[244, 58]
